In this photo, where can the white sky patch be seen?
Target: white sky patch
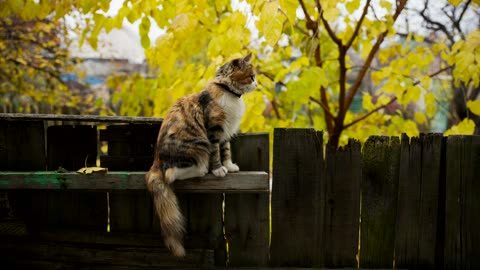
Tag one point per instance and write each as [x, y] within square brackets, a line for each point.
[246, 9]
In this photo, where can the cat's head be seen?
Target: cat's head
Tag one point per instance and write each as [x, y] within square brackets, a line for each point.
[238, 74]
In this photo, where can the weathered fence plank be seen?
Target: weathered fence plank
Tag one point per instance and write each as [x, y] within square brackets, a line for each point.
[381, 156]
[338, 242]
[241, 182]
[17, 252]
[296, 211]
[71, 147]
[418, 197]
[247, 215]
[22, 146]
[204, 218]
[462, 208]
[130, 148]
[74, 147]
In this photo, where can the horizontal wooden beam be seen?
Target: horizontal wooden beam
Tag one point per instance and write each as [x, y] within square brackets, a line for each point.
[80, 118]
[241, 182]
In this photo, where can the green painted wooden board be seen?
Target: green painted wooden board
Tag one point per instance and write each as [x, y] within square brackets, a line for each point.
[233, 182]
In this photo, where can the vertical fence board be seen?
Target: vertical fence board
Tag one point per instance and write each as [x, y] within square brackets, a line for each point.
[418, 197]
[462, 207]
[131, 147]
[297, 172]
[73, 147]
[381, 157]
[22, 148]
[247, 215]
[342, 207]
[204, 216]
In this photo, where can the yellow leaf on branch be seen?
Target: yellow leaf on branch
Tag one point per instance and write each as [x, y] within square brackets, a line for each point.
[474, 106]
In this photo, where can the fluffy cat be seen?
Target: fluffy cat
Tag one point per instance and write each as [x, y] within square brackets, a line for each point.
[194, 139]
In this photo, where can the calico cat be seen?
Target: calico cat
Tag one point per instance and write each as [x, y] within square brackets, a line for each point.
[194, 139]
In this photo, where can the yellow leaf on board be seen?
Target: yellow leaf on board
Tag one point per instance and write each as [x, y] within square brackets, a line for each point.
[91, 170]
[474, 106]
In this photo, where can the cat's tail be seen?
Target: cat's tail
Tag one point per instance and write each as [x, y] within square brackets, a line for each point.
[172, 221]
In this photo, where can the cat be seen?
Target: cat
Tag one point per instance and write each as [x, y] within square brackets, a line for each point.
[194, 139]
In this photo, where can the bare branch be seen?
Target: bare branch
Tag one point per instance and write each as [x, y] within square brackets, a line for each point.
[304, 8]
[369, 113]
[330, 31]
[434, 25]
[324, 107]
[354, 88]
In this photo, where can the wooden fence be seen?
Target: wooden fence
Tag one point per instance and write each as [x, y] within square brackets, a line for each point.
[409, 203]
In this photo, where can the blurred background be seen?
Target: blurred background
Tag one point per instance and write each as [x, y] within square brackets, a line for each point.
[352, 68]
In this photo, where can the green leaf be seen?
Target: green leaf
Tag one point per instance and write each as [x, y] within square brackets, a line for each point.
[290, 8]
[331, 14]
[352, 6]
[144, 28]
[271, 23]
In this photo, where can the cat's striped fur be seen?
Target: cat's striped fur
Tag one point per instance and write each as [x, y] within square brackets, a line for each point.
[194, 139]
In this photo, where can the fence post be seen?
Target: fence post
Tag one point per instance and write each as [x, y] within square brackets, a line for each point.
[381, 156]
[296, 208]
[339, 240]
[418, 202]
[462, 204]
[247, 215]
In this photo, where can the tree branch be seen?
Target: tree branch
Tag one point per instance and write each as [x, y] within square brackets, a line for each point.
[324, 107]
[356, 85]
[438, 25]
[304, 8]
[359, 24]
[391, 100]
[330, 31]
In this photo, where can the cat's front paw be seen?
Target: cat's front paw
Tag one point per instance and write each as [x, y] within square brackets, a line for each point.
[231, 167]
[220, 172]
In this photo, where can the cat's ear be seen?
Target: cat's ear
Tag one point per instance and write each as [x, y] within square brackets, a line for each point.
[247, 59]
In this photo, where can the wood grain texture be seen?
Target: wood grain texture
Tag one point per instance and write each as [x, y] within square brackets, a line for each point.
[74, 147]
[296, 211]
[338, 239]
[381, 161]
[17, 251]
[233, 182]
[22, 146]
[462, 208]
[130, 148]
[418, 199]
[247, 222]
[71, 147]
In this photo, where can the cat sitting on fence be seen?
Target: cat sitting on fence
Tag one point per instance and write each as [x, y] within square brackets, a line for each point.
[194, 139]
